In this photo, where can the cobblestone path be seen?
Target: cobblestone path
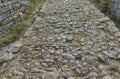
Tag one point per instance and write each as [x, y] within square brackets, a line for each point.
[70, 39]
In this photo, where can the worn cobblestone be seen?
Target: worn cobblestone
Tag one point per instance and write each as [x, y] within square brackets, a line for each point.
[70, 39]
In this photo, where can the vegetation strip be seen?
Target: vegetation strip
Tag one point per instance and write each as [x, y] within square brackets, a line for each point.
[104, 6]
[19, 29]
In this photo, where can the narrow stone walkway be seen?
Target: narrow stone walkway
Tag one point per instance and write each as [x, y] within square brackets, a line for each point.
[70, 39]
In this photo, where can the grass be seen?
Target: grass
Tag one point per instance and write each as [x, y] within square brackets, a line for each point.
[19, 29]
[103, 5]
[116, 20]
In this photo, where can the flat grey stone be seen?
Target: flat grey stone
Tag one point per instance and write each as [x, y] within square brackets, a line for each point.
[107, 77]
[93, 75]
[110, 55]
[118, 56]
[68, 56]
[51, 75]
[64, 75]
[7, 57]
[18, 73]
[35, 70]
[71, 78]
[117, 34]
[103, 19]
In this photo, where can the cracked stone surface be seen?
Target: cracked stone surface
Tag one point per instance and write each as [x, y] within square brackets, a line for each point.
[70, 39]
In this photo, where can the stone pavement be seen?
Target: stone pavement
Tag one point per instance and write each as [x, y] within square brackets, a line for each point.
[70, 39]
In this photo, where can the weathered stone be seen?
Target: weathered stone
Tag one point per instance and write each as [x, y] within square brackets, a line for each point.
[68, 56]
[118, 39]
[72, 62]
[44, 64]
[117, 34]
[17, 45]
[6, 57]
[93, 75]
[35, 70]
[101, 58]
[112, 66]
[51, 75]
[78, 72]
[107, 77]
[101, 68]
[112, 27]
[14, 50]
[92, 32]
[38, 19]
[1, 61]
[89, 59]
[24, 69]
[18, 73]
[119, 69]
[110, 55]
[103, 19]
[101, 27]
[64, 75]
[71, 78]
[65, 62]
[118, 56]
